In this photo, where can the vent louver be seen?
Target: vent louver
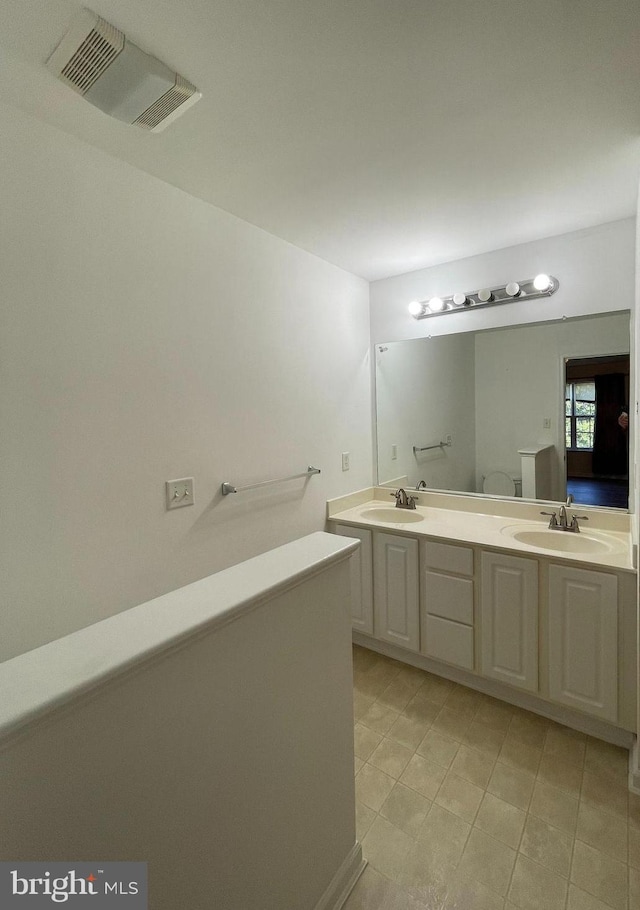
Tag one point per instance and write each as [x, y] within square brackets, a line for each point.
[98, 51]
[167, 104]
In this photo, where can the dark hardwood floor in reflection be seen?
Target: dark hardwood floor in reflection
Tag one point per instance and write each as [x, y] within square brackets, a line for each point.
[593, 491]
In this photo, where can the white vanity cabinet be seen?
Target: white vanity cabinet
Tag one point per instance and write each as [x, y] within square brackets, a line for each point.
[509, 619]
[385, 586]
[446, 595]
[395, 590]
[361, 578]
[583, 640]
[562, 636]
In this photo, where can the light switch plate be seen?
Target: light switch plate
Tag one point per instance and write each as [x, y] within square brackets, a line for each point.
[394, 452]
[345, 461]
[179, 493]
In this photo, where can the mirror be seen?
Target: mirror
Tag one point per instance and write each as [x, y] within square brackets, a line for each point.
[494, 402]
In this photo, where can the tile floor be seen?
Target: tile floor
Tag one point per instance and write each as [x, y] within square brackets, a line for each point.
[467, 803]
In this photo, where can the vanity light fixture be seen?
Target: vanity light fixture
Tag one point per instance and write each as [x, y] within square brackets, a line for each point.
[541, 286]
[417, 309]
[542, 282]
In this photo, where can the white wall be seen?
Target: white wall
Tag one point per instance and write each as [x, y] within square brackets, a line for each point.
[218, 748]
[425, 392]
[595, 268]
[146, 336]
[519, 382]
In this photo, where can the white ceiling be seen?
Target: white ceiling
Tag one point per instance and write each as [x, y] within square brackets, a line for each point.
[381, 135]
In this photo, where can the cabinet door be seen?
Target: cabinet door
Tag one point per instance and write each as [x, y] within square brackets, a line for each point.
[583, 640]
[509, 616]
[361, 579]
[395, 590]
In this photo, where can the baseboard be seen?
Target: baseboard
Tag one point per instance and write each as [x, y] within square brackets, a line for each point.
[343, 881]
[593, 726]
[634, 768]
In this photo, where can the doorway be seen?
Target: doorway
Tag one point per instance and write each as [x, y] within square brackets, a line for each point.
[596, 437]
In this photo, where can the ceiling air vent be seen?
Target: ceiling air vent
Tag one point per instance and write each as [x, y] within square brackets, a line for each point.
[163, 107]
[95, 59]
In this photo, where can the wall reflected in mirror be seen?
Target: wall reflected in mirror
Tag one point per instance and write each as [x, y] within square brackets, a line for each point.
[498, 392]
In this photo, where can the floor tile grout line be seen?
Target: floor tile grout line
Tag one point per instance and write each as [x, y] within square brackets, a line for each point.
[522, 739]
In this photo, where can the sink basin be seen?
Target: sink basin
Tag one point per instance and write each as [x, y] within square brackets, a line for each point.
[391, 515]
[561, 541]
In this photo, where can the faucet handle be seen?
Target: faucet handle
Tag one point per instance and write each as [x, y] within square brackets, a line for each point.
[574, 526]
[553, 523]
[574, 521]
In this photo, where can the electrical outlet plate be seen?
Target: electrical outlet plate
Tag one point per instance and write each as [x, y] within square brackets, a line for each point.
[546, 423]
[394, 452]
[345, 461]
[179, 493]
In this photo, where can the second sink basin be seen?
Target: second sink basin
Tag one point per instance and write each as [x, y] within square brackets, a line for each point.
[561, 541]
[391, 515]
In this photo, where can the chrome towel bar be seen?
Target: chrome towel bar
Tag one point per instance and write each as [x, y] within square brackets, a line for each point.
[229, 487]
[437, 445]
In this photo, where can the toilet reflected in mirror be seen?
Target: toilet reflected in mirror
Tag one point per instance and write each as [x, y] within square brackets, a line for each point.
[501, 483]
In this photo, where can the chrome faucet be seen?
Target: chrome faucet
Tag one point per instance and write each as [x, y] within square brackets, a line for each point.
[403, 501]
[562, 520]
[421, 485]
[562, 523]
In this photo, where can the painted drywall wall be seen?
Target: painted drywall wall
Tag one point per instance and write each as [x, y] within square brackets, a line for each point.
[225, 761]
[147, 336]
[519, 383]
[595, 268]
[424, 393]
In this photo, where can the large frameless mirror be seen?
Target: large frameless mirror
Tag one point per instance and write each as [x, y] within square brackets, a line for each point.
[472, 412]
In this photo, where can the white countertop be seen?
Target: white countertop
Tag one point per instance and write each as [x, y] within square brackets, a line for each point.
[487, 529]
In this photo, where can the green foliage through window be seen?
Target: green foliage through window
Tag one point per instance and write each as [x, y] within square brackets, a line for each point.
[580, 414]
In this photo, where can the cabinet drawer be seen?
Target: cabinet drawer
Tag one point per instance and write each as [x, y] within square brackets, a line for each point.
[448, 641]
[449, 597]
[448, 558]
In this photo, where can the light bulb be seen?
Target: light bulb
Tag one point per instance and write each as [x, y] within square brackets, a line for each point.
[461, 300]
[513, 289]
[416, 308]
[485, 295]
[542, 282]
[436, 304]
